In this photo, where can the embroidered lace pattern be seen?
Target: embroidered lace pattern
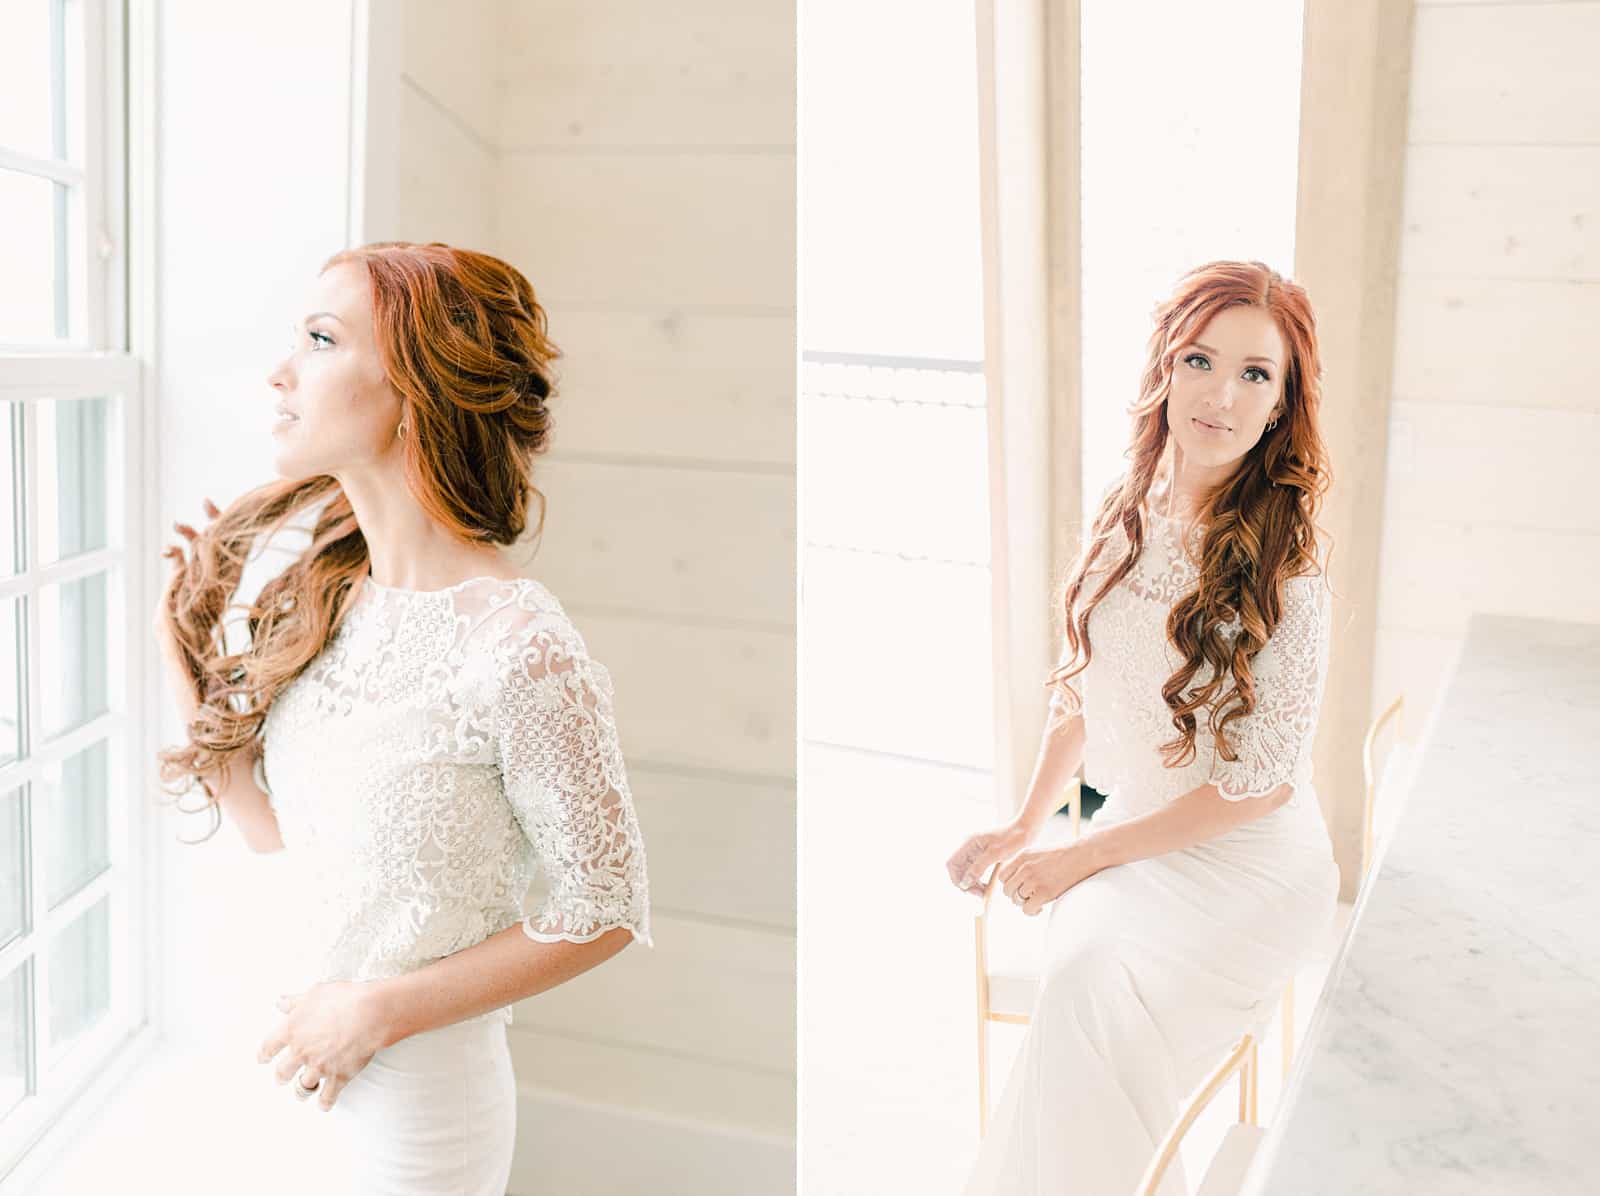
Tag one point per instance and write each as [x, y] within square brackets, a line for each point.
[444, 749]
[1126, 719]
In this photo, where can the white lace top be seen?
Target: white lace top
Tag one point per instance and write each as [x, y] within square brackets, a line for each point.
[1126, 719]
[443, 748]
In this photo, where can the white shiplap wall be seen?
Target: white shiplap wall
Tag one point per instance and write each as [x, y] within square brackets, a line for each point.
[637, 162]
[1495, 420]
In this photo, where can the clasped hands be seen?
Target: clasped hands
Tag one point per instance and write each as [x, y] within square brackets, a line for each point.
[1031, 878]
[331, 1031]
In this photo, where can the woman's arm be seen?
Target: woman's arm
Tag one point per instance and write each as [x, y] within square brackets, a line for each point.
[241, 798]
[1195, 817]
[1033, 879]
[565, 780]
[1061, 747]
[1060, 753]
[503, 969]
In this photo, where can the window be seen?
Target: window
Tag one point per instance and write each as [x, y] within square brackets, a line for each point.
[896, 609]
[71, 622]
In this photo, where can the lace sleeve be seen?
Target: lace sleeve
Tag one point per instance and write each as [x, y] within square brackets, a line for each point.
[1273, 742]
[562, 767]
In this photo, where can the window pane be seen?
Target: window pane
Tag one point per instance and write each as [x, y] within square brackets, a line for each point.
[14, 1036]
[33, 301]
[80, 974]
[859, 416]
[74, 455]
[909, 561]
[71, 803]
[30, 57]
[10, 455]
[72, 653]
[11, 680]
[13, 878]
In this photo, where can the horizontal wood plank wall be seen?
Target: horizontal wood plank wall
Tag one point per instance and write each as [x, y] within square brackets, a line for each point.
[444, 100]
[637, 162]
[1495, 415]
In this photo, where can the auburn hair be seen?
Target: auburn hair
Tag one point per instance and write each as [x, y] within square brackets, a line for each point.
[463, 341]
[1259, 524]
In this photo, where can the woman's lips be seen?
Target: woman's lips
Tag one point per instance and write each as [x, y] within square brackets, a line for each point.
[1205, 427]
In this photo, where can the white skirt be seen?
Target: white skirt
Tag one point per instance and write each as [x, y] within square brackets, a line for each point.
[434, 1113]
[1151, 972]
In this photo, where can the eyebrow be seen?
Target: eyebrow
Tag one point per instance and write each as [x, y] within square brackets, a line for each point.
[1209, 349]
[329, 314]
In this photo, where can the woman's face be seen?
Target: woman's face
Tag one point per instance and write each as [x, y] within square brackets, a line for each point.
[1226, 385]
[342, 412]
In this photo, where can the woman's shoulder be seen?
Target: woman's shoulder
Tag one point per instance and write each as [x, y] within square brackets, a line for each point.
[508, 602]
[515, 615]
[1310, 586]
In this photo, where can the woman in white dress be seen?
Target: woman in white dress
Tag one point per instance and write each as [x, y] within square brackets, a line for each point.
[420, 726]
[1197, 624]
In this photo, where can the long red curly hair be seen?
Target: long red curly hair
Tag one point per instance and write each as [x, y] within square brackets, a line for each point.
[463, 341]
[1259, 525]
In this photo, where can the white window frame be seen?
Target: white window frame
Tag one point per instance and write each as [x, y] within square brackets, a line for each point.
[109, 357]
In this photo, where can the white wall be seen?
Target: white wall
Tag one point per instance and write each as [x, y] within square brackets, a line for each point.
[1495, 416]
[638, 164]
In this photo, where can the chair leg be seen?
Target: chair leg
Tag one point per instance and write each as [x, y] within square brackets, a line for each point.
[1255, 1083]
[983, 1024]
[1249, 1086]
[1288, 1028]
[983, 1074]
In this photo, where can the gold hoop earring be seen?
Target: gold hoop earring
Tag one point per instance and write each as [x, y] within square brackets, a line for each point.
[399, 429]
[1273, 424]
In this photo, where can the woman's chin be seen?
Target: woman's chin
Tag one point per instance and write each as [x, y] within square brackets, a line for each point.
[289, 464]
[1210, 452]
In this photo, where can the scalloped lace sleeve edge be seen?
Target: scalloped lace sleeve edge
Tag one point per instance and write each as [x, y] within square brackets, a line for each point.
[640, 934]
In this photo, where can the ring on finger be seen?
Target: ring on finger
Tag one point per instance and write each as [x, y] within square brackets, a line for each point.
[301, 1090]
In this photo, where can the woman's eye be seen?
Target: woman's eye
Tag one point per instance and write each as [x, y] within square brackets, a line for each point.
[1254, 369]
[320, 336]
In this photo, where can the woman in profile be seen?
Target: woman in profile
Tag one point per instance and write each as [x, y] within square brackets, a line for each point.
[417, 723]
[1197, 625]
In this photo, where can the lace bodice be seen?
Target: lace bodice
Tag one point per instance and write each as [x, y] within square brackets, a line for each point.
[444, 748]
[1125, 717]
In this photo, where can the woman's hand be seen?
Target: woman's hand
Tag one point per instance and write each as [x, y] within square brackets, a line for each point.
[172, 652]
[972, 858]
[331, 1030]
[1036, 878]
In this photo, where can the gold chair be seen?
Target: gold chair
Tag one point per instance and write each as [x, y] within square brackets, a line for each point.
[1225, 1174]
[1228, 1165]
